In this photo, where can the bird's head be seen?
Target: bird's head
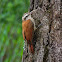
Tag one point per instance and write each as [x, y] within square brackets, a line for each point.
[25, 16]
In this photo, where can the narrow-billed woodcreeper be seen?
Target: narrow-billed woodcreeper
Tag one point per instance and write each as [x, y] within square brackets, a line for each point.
[28, 27]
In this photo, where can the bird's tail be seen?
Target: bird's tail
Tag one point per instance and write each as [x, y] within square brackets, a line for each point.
[31, 48]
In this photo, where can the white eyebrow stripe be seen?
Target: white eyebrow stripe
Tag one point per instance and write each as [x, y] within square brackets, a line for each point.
[24, 16]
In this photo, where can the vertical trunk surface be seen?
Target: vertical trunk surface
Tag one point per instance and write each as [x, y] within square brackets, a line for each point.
[47, 38]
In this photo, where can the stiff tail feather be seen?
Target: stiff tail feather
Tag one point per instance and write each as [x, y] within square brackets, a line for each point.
[31, 48]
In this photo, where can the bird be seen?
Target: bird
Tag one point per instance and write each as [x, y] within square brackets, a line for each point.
[28, 28]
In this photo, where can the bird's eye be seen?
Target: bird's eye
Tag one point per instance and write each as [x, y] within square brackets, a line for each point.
[26, 17]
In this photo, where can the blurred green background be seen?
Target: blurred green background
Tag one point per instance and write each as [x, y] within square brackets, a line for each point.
[11, 39]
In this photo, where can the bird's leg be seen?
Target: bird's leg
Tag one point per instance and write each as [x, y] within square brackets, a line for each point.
[38, 26]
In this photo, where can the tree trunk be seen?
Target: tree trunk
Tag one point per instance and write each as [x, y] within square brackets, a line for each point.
[47, 38]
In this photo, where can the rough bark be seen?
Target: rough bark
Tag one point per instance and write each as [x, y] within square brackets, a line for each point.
[48, 38]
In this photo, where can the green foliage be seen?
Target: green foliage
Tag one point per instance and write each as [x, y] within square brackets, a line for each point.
[11, 39]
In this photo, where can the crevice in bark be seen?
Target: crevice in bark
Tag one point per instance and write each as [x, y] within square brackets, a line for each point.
[61, 0]
[49, 1]
[46, 50]
[45, 54]
[50, 26]
[31, 5]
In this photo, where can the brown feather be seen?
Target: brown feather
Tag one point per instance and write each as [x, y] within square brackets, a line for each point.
[27, 31]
